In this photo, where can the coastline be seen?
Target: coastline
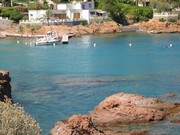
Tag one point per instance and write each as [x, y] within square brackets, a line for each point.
[152, 26]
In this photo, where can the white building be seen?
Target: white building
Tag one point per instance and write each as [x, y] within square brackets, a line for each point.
[83, 10]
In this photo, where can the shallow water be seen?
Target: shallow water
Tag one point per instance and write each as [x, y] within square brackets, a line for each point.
[52, 83]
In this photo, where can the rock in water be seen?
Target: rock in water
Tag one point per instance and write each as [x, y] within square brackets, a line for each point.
[131, 108]
[76, 125]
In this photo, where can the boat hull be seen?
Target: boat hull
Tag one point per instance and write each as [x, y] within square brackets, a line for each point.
[47, 43]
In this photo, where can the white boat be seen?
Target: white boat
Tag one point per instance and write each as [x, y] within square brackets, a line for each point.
[49, 39]
[154, 31]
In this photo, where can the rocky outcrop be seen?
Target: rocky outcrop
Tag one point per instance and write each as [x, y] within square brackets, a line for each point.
[83, 125]
[165, 27]
[131, 108]
[116, 110]
[104, 27]
[2, 34]
[5, 87]
[76, 125]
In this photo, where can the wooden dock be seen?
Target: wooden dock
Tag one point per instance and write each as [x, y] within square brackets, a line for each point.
[65, 39]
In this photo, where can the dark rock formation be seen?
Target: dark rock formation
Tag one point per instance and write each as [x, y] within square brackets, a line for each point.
[5, 87]
[131, 108]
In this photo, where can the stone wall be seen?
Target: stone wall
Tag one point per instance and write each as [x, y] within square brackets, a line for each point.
[5, 87]
[165, 15]
[5, 24]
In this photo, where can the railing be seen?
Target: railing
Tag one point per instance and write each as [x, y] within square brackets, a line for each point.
[166, 15]
[30, 22]
[4, 18]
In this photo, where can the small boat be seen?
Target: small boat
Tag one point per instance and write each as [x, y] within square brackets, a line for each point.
[49, 39]
[154, 31]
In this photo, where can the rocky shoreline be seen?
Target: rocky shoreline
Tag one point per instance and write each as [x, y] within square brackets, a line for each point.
[97, 28]
[116, 110]
[160, 27]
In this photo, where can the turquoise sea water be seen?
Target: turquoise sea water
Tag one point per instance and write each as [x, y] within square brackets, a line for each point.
[52, 83]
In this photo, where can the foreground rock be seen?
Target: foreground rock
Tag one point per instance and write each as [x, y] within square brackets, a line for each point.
[116, 110]
[76, 125]
[83, 125]
[165, 27]
[5, 87]
[131, 108]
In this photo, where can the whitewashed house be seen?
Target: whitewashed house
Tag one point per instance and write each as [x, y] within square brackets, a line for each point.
[36, 14]
[84, 10]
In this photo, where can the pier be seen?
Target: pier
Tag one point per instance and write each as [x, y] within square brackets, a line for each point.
[65, 39]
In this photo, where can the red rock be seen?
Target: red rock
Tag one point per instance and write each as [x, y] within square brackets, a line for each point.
[76, 125]
[130, 108]
[167, 27]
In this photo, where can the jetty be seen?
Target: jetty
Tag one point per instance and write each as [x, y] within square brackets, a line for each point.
[65, 39]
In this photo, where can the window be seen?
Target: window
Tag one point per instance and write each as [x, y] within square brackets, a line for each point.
[83, 6]
[90, 5]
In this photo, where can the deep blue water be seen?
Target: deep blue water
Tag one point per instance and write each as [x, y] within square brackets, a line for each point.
[52, 83]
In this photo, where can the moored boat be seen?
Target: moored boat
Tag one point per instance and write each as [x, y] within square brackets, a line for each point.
[49, 39]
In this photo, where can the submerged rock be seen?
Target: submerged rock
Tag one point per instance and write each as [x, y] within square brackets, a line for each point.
[176, 121]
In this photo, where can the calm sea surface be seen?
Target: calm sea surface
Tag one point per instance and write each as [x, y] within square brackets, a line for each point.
[52, 83]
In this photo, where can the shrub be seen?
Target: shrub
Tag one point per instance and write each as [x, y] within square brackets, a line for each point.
[172, 20]
[37, 6]
[14, 121]
[34, 27]
[20, 29]
[162, 20]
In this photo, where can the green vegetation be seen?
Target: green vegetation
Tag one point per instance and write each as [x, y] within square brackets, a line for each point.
[162, 20]
[121, 10]
[12, 13]
[38, 6]
[164, 5]
[118, 10]
[14, 121]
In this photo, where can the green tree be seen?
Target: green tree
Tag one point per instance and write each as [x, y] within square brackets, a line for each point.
[12, 13]
[6, 3]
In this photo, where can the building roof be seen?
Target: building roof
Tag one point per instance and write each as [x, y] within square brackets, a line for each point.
[58, 11]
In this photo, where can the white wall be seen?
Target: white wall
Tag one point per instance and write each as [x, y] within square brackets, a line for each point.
[69, 15]
[36, 14]
[77, 5]
[85, 15]
[61, 6]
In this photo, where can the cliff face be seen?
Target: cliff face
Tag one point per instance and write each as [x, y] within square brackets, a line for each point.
[5, 87]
